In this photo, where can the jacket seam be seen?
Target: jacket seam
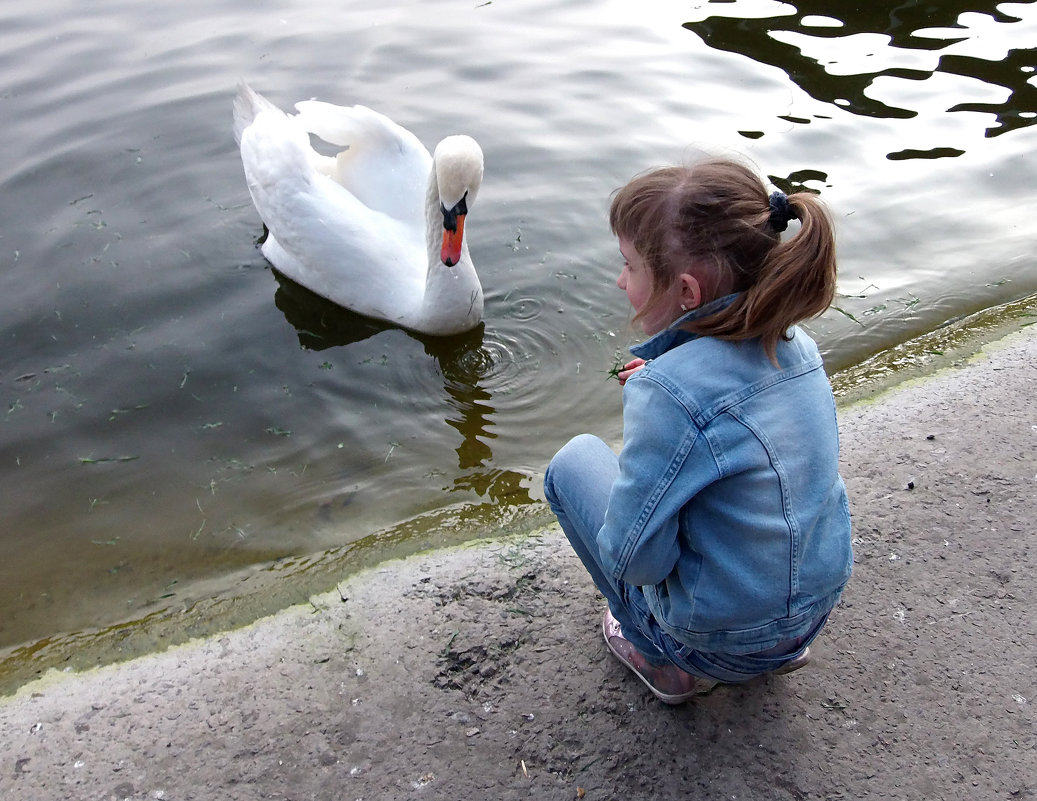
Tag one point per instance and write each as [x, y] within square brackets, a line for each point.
[786, 503]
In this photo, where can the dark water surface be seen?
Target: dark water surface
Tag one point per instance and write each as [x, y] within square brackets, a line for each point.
[174, 414]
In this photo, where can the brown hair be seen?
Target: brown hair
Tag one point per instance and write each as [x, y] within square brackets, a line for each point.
[714, 220]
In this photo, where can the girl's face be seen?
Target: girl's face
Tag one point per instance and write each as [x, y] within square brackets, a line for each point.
[636, 280]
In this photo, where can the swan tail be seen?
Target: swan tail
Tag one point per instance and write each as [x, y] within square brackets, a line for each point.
[275, 153]
[247, 106]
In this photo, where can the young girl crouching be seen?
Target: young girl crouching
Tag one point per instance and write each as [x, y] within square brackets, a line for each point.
[720, 535]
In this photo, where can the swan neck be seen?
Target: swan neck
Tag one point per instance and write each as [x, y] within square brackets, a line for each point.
[433, 222]
[451, 293]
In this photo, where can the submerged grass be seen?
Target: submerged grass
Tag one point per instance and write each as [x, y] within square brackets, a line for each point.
[949, 344]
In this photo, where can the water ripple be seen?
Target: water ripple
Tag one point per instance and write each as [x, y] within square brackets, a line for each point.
[506, 360]
[525, 309]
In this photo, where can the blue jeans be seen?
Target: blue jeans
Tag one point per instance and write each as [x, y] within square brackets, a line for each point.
[577, 485]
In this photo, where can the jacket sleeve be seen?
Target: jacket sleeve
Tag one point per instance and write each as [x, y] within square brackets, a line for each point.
[664, 462]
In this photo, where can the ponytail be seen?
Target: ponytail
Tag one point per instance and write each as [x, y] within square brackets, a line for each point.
[794, 282]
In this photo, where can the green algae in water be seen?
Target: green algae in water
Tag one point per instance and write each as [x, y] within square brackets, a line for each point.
[950, 344]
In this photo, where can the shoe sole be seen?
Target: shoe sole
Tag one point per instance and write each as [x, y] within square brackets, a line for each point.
[800, 661]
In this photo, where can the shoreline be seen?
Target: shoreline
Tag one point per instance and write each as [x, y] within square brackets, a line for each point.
[220, 603]
[478, 669]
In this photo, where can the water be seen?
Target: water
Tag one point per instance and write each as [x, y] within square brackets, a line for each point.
[175, 417]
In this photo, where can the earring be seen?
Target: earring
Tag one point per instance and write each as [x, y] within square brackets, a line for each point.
[683, 307]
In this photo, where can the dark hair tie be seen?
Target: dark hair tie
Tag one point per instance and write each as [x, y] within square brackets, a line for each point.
[781, 211]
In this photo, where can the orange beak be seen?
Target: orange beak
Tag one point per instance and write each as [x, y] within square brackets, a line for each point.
[451, 252]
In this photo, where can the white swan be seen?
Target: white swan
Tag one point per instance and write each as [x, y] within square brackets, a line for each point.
[379, 228]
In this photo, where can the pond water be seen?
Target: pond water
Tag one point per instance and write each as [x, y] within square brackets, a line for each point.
[175, 415]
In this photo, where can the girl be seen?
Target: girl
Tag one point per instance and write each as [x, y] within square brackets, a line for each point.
[720, 536]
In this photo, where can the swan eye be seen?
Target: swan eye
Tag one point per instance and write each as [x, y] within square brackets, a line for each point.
[450, 215]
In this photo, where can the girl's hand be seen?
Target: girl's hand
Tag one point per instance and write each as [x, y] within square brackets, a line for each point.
[629, 369]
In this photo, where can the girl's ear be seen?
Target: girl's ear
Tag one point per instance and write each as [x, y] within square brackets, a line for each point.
[690, 291]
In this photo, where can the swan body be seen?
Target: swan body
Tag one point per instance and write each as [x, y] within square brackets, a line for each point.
[378, 228]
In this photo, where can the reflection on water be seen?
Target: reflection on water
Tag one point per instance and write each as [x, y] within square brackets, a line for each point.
[319, 323]
[869, 41]
[1015, 72]
[464, 362]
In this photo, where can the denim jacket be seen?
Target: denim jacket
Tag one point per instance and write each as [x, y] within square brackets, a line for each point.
[729, 512]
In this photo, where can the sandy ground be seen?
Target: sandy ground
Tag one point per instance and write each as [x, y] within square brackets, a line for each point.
[479, 673]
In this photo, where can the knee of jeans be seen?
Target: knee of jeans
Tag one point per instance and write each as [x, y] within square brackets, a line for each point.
[575, 452]
[571, 456]
[549, 487]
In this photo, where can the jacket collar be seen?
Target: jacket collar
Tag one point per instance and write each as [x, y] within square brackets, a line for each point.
[675, 335]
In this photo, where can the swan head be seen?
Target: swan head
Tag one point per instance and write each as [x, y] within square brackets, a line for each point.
[458, 164]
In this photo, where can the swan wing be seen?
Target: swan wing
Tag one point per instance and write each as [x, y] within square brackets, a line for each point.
[383, 164]
[323, 236]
